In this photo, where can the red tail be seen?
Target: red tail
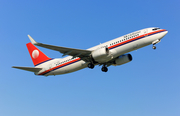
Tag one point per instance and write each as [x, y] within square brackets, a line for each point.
[37, 56]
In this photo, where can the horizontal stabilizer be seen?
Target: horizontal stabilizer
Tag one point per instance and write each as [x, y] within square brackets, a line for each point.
[31, 69]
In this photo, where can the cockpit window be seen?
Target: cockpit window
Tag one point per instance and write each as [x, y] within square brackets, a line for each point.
[155, 29]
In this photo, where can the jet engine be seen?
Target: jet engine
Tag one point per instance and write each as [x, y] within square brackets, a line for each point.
[122, 59]
[100, 55]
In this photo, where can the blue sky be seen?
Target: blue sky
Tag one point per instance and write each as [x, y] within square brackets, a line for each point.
[147, 86]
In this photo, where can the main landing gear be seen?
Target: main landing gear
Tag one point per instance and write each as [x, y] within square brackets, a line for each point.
[91, 65]
[104, 67]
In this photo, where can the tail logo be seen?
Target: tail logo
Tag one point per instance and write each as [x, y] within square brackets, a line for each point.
[35, 54]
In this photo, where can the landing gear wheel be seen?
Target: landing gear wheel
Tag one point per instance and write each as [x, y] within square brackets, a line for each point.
[90, 65]
[154, 47]
[104, 69]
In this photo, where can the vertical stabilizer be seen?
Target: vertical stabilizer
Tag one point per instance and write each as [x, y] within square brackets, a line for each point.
[37, 56]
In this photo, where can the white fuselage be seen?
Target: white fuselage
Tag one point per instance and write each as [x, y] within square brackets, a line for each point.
[117, 47]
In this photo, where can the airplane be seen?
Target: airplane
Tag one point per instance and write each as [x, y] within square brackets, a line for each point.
[114, 52]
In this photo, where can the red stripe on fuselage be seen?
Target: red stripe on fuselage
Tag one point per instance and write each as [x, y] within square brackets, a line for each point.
[135, 38]
[59, 66]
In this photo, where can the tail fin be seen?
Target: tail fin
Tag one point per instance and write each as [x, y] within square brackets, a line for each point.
[37, 56]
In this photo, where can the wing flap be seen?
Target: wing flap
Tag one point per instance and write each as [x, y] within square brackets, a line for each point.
[31, 69]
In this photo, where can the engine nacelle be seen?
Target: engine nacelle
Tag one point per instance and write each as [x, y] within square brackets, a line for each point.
[123, 59]
[100, 55]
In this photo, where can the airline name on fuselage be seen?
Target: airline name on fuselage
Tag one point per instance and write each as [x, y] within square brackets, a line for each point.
[131, 35]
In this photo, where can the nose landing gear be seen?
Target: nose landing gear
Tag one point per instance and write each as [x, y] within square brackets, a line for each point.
[154, 47]
[154, 43]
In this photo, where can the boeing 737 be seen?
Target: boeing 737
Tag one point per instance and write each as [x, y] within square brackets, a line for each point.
[114, 52]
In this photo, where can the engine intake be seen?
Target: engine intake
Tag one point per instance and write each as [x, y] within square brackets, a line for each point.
[123, 59]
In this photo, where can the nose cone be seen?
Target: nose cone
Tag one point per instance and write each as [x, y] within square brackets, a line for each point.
[165, 32]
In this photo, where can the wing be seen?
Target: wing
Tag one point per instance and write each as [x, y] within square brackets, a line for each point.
[31, 69]
[64, 50]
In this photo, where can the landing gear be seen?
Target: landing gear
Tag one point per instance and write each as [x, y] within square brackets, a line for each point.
[154, 47]
[104, 69]
[155, 42]
[91, 65]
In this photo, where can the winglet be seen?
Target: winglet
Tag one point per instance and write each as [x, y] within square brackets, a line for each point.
[32, 40]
